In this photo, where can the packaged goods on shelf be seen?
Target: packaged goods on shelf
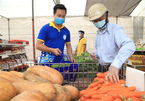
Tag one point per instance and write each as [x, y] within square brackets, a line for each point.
[21, 41]
[140, 44]
[136, 59]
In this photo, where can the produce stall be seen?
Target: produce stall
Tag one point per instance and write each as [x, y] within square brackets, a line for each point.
[25, 80]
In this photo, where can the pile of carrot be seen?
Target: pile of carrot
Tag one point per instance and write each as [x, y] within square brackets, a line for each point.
[99, 90]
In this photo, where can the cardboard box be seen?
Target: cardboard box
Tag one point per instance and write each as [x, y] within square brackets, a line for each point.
[135, 78]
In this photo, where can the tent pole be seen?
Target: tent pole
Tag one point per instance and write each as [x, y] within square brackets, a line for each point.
[33, 31]
[9, 28]
[116, 19]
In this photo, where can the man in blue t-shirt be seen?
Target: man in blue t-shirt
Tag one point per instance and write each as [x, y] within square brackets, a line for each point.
[53, 36]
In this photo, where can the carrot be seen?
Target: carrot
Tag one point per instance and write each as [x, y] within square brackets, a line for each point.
[118, 92]
[90, 93]
[133, 88]
[134, 99]
[98, 96]
[103, 92]
[101, 75]
[121, 81]
[89, 88]
[93, 84]
[82, 92]
[99, 85]
[107, 98]
[92, 100]
[118, 99]
[105, 73]
[115, 95]
[107, 84]
[132, 94]
[101, 80]
[96, 88]
[82, 98]
[103, 88]
[95, 79]
[126, 94]
[138, 94]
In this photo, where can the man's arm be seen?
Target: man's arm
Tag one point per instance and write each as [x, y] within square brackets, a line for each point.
[84, 48]
[69, 52]
[40, 46]
[75, 51]
[127, 48]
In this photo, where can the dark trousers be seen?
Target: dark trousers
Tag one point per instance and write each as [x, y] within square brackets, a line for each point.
[103, 68]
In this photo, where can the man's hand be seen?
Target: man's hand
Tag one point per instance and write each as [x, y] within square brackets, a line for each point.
[56, 51]
[143, 60]
[72, 60]
[93, 56]
[112, 74]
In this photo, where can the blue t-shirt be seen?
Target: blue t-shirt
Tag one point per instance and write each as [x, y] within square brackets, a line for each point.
[53, 38]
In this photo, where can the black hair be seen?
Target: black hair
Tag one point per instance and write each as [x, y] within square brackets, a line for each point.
[59, 6]
[80, 31]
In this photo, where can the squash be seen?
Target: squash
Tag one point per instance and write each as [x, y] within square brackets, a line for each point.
[68, 94]
[34, 78]
[74, 92]
[18, 74]
[30, 95]
[10, 77]
[47, 89]
[60, 95]
[7, 90]
[48, 73]
[7, 75]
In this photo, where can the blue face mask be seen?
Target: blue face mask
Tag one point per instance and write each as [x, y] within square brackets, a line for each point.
[100, 24]
[79, 35]
[59, 21]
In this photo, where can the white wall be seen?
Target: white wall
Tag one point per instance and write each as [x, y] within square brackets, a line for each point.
[21, 28]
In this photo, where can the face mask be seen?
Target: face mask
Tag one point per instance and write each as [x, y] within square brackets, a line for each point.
[59, 21]
[100, 24]
[79, 35]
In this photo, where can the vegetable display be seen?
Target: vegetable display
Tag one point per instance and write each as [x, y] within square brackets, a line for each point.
[100, 90]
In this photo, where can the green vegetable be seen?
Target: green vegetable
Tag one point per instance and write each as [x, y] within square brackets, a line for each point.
[60, 65]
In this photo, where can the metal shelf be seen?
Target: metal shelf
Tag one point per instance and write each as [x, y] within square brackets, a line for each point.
[7, 44]
[13, 54]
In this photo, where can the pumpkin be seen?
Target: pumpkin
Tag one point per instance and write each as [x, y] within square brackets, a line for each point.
[47, 89]
[34, 78]
[73, 90]
[60, 95]
[7, 90]
[8, 76]
[18, 74]
[68, 94]
[30, 95]
[48, 73]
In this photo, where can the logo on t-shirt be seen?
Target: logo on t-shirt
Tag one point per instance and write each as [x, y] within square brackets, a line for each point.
[64, 37]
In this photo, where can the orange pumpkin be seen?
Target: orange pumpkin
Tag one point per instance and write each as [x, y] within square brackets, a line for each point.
[30, 95]
[73, 90]
[47, 89]
[8, 76]
[48, 73]
[34, 78]
[7, 90]
[60, 95]
[18, 74]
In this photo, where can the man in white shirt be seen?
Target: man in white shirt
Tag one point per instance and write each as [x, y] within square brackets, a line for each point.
[113, 46]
